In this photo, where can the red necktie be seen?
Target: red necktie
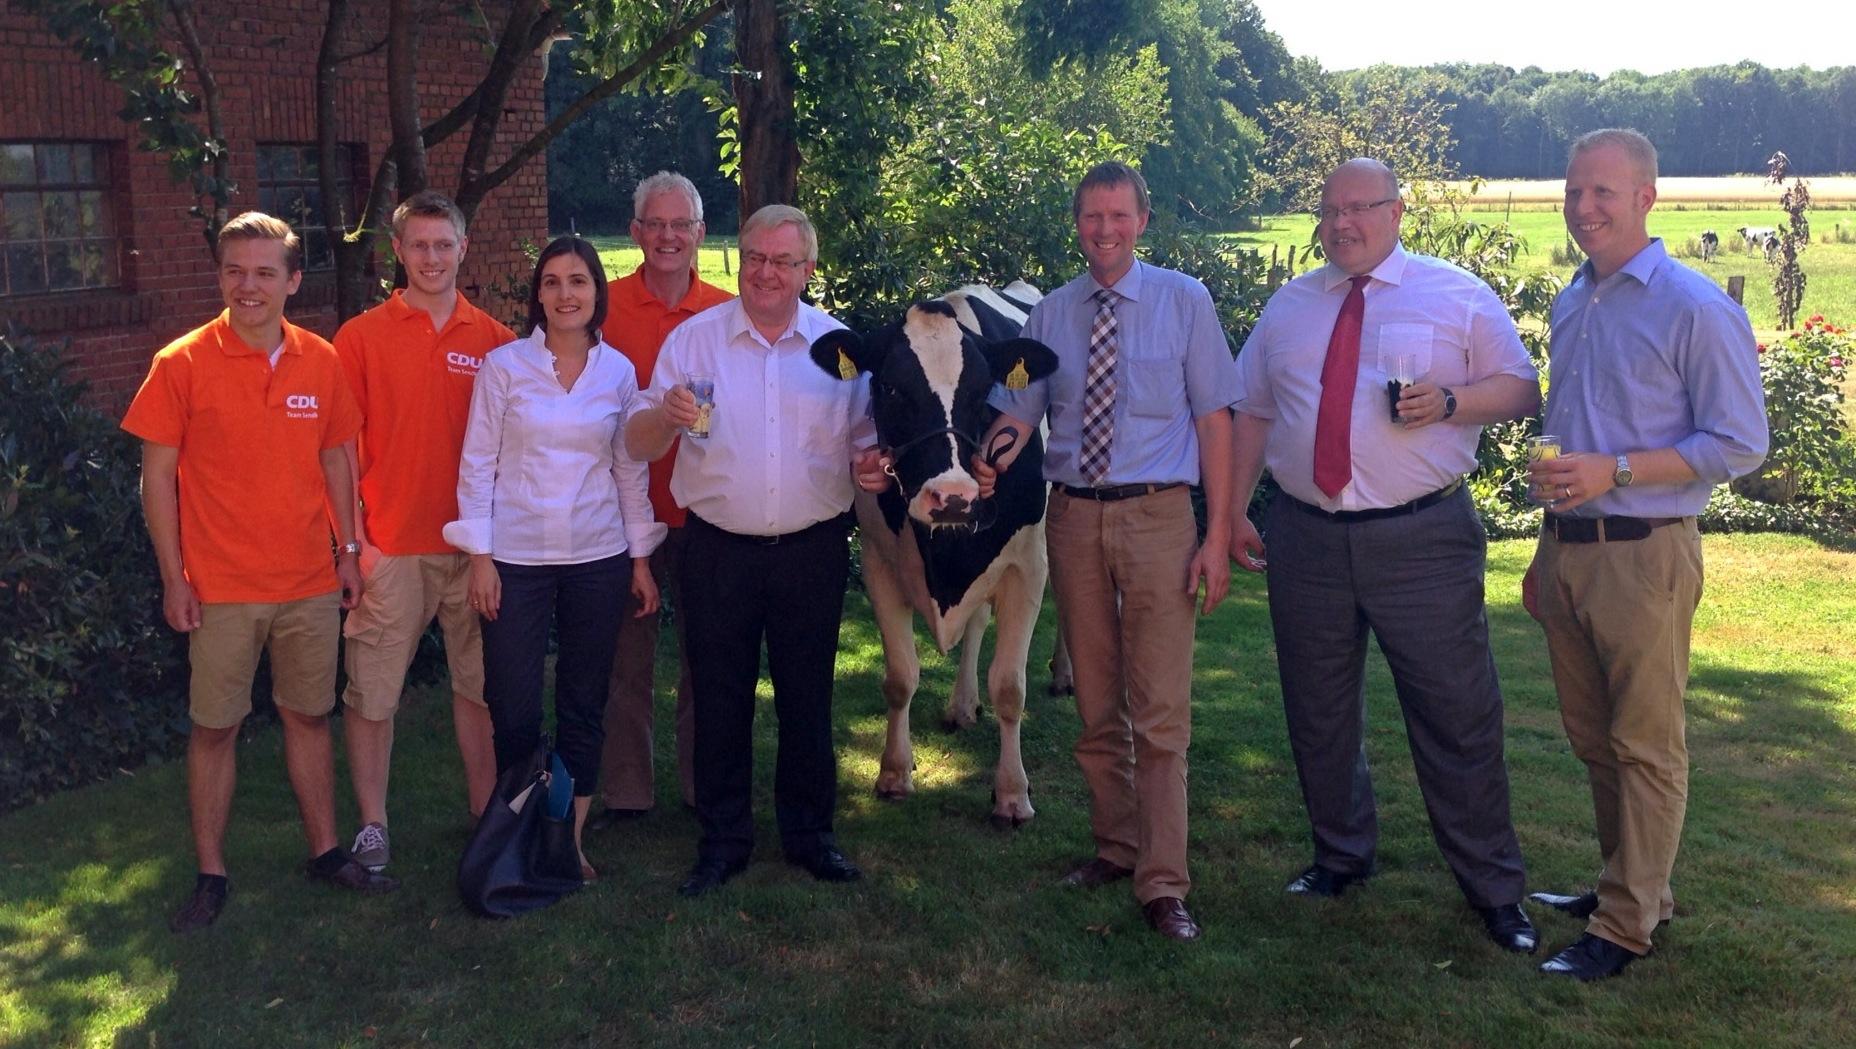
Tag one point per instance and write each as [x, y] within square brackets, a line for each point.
[1339, 374]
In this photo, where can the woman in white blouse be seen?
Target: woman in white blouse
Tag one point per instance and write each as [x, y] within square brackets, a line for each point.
[555, 516]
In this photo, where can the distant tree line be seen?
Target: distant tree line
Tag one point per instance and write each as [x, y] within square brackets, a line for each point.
[1716, 120]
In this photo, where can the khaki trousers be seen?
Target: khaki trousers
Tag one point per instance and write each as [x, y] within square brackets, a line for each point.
[1617, 618]
[1119, 573]
[626, 770]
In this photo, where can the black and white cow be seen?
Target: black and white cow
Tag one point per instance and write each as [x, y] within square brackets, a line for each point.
[1710, 244]
[931, 546]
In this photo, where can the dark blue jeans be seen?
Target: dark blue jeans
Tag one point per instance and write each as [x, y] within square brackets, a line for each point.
[583, 602]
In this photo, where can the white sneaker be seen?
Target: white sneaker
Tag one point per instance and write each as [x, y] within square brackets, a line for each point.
[370, 847]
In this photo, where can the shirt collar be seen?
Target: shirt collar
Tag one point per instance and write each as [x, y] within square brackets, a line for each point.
[401, 310]
[638, 293]
[1128, 287]
[1642, 266]
[1390, 270]
[232, 345]
[739, 326]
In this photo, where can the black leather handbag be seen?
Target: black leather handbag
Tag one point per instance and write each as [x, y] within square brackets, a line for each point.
[522, 856]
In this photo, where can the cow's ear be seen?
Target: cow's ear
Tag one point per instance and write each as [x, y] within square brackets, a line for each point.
[1016, 360]
[843, 354]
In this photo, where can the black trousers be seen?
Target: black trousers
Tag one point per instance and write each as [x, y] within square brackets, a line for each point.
[1415, 581]
[584, 602]
[737, 591]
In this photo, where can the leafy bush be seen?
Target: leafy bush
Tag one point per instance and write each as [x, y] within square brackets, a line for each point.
[88, 674]
[1812, 459]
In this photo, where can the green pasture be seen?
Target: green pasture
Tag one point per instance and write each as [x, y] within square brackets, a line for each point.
[1830, 268]
[959, 936]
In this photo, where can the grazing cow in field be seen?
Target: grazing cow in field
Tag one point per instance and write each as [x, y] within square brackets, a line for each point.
[1770, 245]
[931, 546]
[1710, 243]
[1755, 236]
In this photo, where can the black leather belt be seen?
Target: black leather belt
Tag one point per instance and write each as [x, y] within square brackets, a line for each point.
[1603, 529]
[838, 524]
[1402, 509]
[1116, 492]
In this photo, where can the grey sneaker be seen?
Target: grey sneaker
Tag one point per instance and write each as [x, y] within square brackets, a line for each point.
[370, 847]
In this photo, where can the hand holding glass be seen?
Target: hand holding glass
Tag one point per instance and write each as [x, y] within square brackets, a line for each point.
[701, 387]
[1404, 372]
[1540, 449]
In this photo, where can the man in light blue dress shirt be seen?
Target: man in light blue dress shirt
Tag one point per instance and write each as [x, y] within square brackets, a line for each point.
[1138, 411]
[1655, 397]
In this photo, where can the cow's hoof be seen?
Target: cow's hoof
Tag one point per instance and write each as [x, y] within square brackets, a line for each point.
[954, 723]
[1061, 688]
[894, 788]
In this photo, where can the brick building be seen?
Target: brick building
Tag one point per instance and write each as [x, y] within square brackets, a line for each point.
[96, 244]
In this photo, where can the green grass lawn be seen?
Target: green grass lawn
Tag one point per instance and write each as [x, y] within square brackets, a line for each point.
[958, 935]
[1830, 269]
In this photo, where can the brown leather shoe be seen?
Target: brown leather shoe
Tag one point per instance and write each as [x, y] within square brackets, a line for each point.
[1095, 873]
[1170, 918]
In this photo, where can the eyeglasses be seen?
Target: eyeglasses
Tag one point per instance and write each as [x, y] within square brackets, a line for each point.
[1352, 211]
[680, 226]
[755, 260]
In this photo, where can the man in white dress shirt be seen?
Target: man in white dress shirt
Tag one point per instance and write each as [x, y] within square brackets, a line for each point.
[1374, 530]
[768, 493]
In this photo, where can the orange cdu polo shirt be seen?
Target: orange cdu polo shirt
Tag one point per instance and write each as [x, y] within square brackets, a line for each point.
[413, 386]
[636, 325]
[254, 523]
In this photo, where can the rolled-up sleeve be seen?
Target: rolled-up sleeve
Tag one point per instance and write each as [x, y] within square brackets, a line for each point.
[1719, 364]
[483, 439]
[1252, 391]
[643, 532]
[1029, 404]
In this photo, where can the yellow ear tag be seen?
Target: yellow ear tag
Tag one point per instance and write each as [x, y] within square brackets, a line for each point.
[846, 370]
[1018, 378]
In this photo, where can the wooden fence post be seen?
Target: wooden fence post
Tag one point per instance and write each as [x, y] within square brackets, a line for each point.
[1736, 289]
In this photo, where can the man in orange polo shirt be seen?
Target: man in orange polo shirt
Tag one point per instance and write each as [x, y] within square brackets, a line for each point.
[643, 307]
[242, 423]
[412, 362]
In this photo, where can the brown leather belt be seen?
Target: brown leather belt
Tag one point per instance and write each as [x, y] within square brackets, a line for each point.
[1116, 492]
[1603, 529]
[1422, 502]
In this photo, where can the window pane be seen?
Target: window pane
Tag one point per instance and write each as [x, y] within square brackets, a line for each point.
[292, 208]
[60, 215]
[22, 216]
[283, 163]
[25, 269]
[311, 166]
[92, 215]
[312, 206]
[316, 253]
[60, 268]
[55, 162]
[16, 164]
[88, 164]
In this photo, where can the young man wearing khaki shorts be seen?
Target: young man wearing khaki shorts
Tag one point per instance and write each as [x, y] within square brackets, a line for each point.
[411, 363]
[242, 422]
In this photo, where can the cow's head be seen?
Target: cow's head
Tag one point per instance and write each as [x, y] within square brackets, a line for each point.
[929, 378]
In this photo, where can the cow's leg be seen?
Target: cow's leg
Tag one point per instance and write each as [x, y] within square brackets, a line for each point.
[1017, 599]
[963, 706]
[1062, 678]
[902, 670]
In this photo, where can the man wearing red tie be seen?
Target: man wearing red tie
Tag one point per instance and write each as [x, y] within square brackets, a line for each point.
[1374, 530]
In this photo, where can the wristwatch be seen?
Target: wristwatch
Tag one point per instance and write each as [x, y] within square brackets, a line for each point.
[1621, 476]
[350, 547]
[1449, 401]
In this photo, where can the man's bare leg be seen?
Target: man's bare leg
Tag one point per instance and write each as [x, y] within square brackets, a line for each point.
[370, 755]
[212, 771]
[472, 721]
[309, 755]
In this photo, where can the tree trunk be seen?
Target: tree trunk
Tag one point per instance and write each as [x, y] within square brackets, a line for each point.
[764, 102]
[351, 237]
[403, 95]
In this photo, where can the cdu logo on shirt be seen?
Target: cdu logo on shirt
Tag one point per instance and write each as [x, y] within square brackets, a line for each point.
[302, 406]
[462, 364]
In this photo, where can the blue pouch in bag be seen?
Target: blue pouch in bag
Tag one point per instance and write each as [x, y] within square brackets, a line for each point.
[560, 789]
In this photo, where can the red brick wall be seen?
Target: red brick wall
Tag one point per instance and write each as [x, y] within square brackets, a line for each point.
[262, 53]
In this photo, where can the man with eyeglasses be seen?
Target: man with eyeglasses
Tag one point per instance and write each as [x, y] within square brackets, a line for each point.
[643, 307]
[1374, 530]
[768, 494]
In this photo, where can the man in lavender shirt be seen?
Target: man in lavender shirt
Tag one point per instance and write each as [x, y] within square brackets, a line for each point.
[1655, 397]
[1374, 530]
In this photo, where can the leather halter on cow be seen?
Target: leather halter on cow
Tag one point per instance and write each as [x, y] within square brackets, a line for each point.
[931, 546]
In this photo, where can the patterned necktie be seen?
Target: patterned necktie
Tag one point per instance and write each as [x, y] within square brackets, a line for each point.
[1099, 389]
[1339, 374]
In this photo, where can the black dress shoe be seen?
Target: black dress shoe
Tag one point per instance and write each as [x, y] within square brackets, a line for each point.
[709, 874]
[350, 875]
[609, 817]
[1095, 873]
[827, 864]
[1580, 906]
[1589, 958]
[1319, 881]
[1509, 928]
[1169, 917]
